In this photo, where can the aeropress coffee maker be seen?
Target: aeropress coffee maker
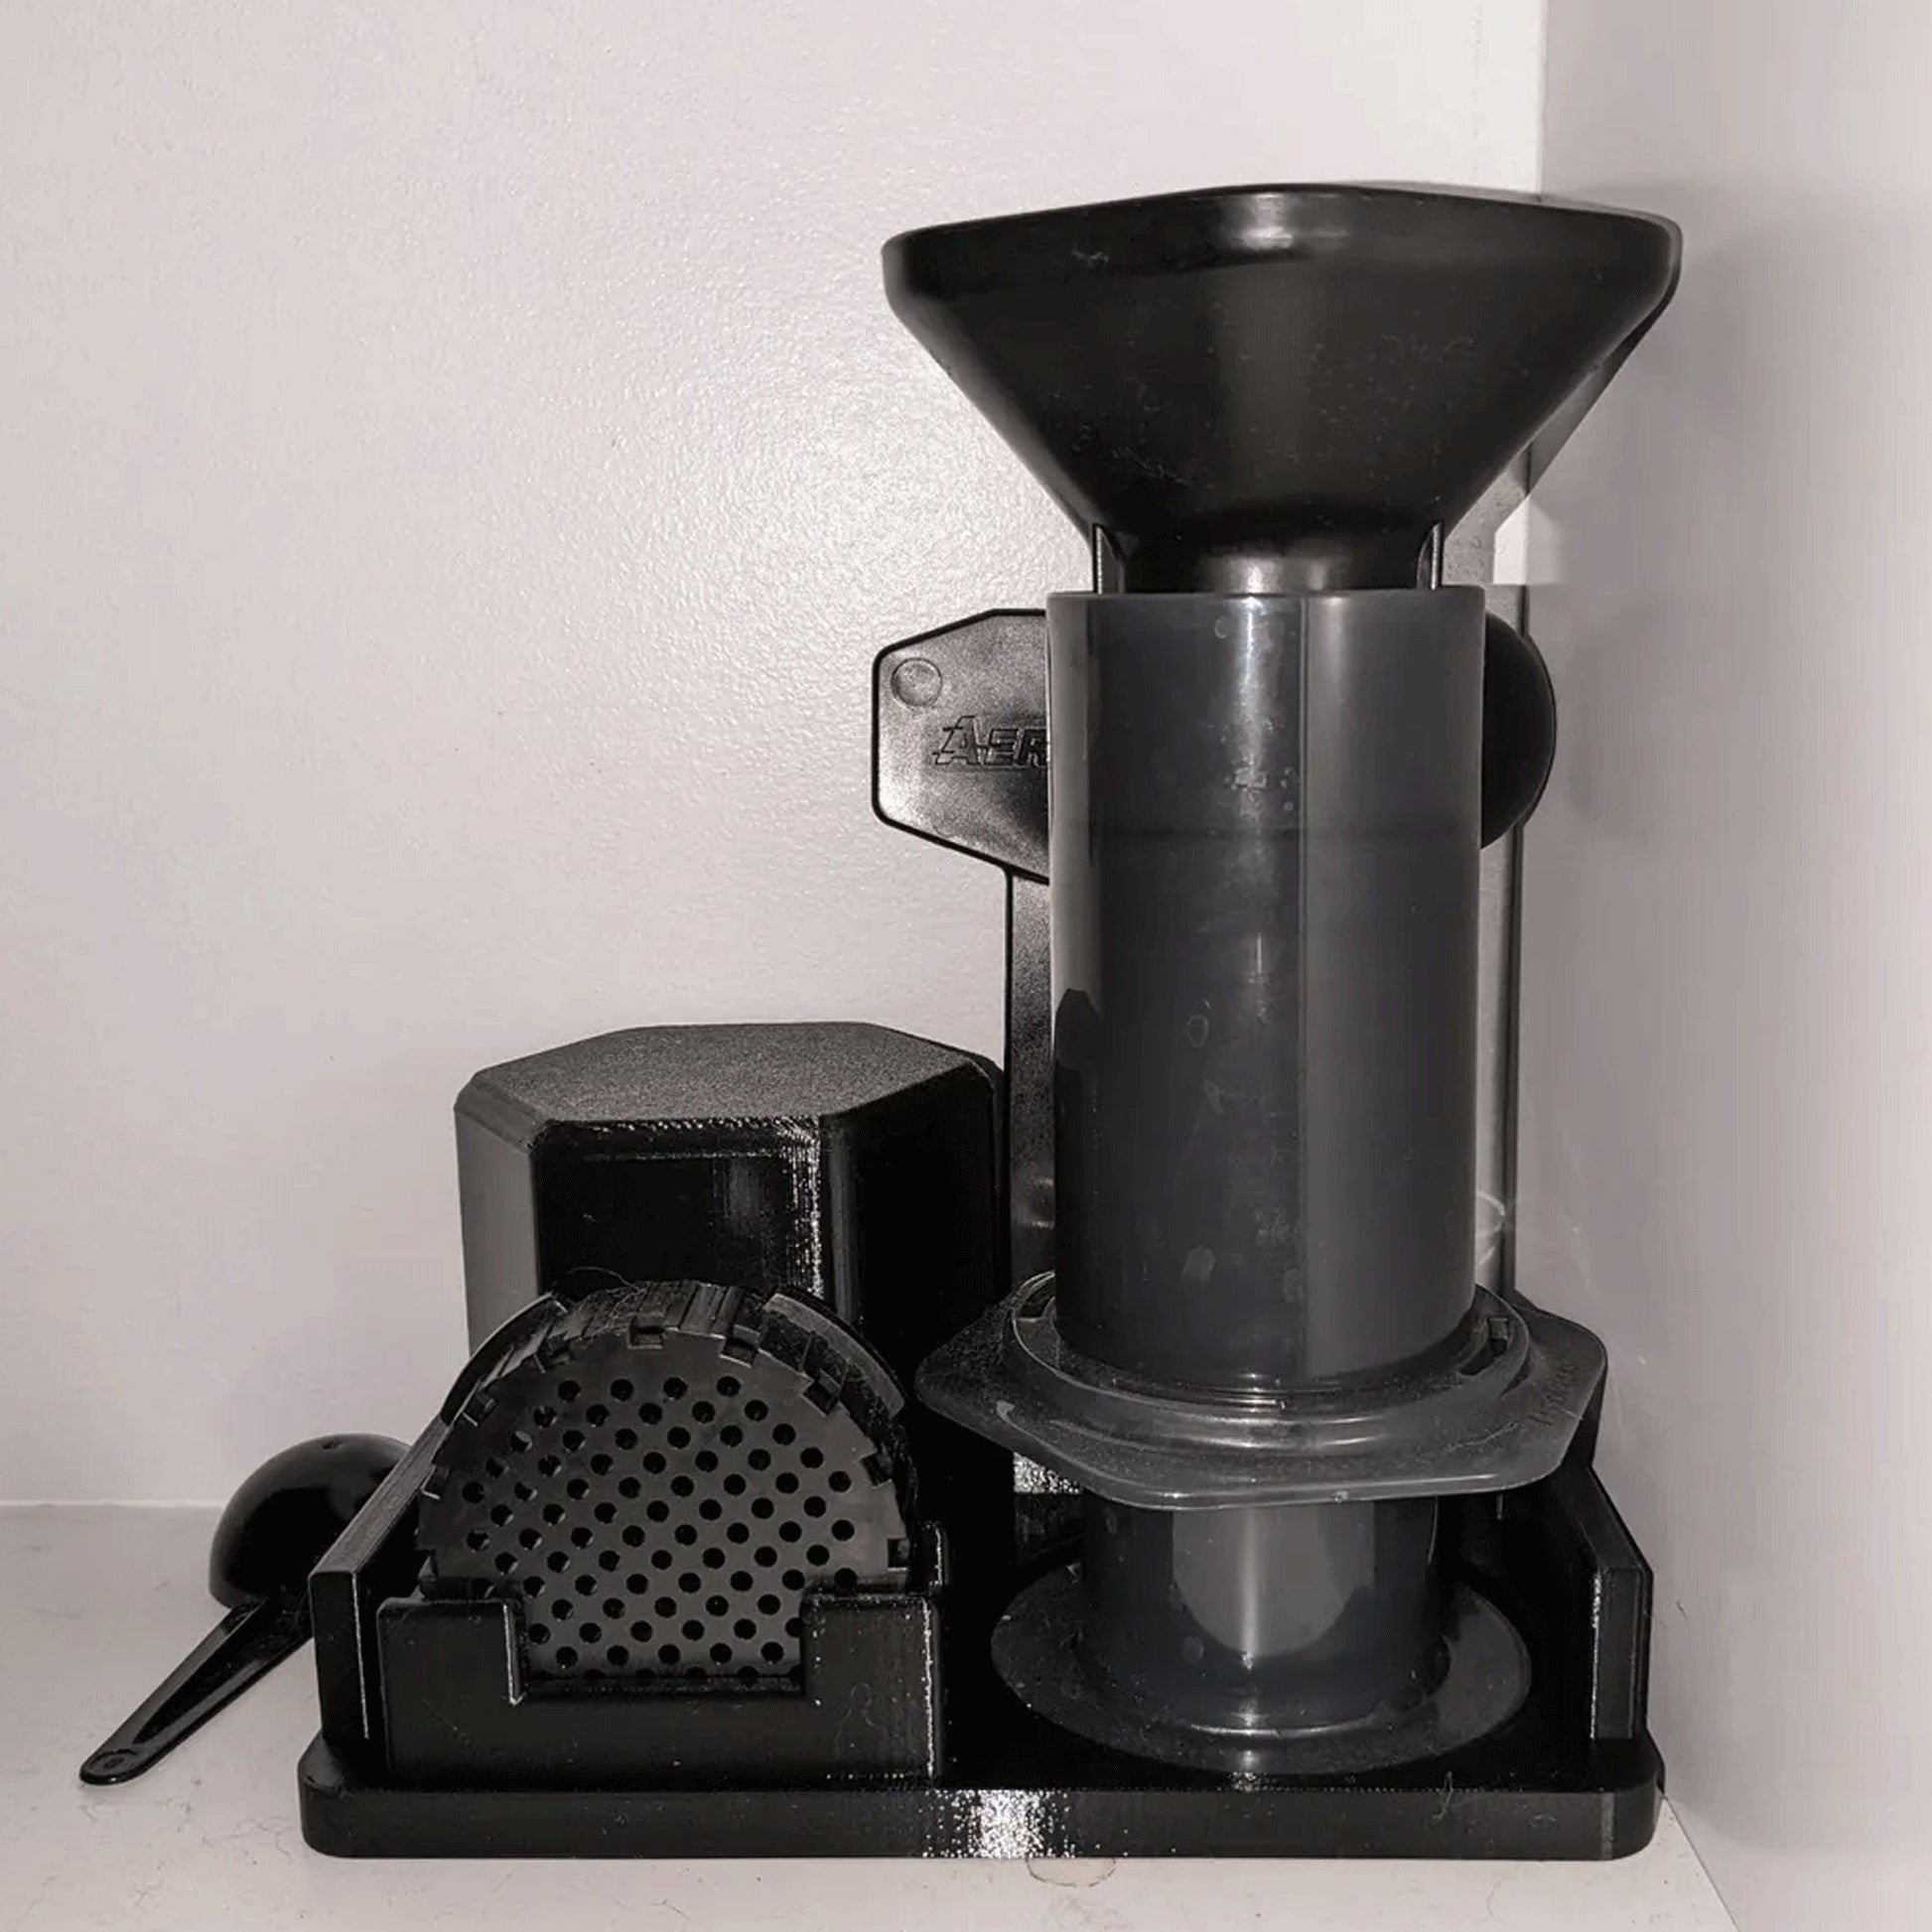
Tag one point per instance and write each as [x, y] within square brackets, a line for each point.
[1260, 1352]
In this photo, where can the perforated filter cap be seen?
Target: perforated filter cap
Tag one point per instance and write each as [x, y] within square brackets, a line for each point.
[657, 1474]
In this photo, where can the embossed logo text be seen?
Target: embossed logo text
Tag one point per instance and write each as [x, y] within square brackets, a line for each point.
[994, 744]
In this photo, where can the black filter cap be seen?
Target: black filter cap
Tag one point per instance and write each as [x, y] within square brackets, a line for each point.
[1277, 388]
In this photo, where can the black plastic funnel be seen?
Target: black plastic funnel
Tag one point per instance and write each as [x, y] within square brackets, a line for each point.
[1278, 389]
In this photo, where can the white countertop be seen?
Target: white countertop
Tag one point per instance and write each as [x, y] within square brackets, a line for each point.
[97, 1604]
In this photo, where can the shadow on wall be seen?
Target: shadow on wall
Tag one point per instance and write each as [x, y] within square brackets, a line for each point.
[1707, 957]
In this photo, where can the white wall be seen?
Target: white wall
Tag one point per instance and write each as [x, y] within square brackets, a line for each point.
[1727, 1052]
[458, 467]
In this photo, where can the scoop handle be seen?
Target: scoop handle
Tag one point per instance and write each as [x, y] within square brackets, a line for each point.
[245, 1645]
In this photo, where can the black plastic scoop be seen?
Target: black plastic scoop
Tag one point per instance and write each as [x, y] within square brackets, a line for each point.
[273, 1532]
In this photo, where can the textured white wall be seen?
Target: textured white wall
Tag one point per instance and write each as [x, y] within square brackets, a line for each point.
[457, 468]
[1726, 1031]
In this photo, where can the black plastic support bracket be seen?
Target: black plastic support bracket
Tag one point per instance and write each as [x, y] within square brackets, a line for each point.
[456, 1702]
[959, 756]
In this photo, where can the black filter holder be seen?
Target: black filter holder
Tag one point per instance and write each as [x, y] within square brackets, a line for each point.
[670, 1525]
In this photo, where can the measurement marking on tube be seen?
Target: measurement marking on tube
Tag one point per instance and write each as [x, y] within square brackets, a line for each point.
[1259, 778]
